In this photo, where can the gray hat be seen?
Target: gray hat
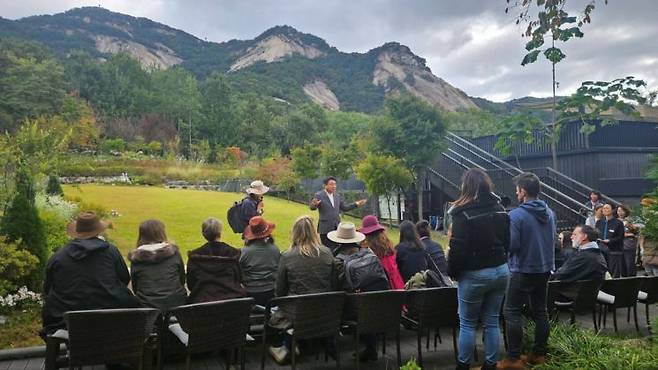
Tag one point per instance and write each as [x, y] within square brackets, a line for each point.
[257, 187]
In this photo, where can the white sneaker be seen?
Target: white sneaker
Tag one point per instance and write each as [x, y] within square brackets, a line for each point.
[279, 354]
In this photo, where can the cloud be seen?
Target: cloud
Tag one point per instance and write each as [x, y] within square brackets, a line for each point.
[471, 44]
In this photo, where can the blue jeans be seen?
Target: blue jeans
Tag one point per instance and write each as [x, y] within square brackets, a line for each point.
[481, 295]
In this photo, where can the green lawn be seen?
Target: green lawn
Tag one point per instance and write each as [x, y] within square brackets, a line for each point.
[182, 212]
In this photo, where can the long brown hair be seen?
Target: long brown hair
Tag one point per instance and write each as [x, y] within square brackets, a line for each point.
[474, 183]
[379, 244]
[151, 232]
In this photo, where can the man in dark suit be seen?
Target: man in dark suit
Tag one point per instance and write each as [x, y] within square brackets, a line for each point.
[329, 205]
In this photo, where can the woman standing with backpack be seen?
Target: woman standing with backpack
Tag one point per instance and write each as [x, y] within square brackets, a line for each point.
[382, 247]
[478, 261]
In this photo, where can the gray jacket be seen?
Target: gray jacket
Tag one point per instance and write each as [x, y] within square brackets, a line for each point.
[260, 262]
[330, 215]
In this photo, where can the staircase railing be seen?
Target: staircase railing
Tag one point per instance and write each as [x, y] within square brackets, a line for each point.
[564, 195]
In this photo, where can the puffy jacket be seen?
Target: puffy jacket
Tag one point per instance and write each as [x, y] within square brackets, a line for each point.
[158, 276]
[585, 264]
[480, 235]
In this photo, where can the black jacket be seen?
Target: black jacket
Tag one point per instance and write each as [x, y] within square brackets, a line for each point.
[586, 264]
[480, 235]
[86, 274]
[158, 276]
[213, 273]
[615, 233]
[249, 209]
[436, 252]
[410, 259]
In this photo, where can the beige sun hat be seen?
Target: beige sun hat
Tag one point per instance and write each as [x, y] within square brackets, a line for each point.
[346, 233]
[257, 187]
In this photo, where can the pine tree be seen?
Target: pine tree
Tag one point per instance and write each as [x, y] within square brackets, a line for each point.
[54, 188]
[21, 222]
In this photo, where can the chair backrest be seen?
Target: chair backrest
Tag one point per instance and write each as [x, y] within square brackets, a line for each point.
[378, 312]
[649, 285]
[434, 307]
[586, 292]
[215, 325]
[624, 289]
[313, 315]
[108, 336]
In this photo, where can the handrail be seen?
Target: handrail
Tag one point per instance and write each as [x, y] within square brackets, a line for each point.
[589, 189]
[576, 205]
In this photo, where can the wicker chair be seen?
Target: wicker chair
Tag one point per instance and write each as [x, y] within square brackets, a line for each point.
[97, 337]
[311, 316]
[624, 291]
[212, 326]
[432, 308]
[575, 297]
[375, 313]
[649, 286]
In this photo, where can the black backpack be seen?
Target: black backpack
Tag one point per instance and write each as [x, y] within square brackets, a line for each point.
[364, 272]
[434, 278]
[234, 216]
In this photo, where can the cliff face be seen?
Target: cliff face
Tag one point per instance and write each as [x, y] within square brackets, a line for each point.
[282, 61]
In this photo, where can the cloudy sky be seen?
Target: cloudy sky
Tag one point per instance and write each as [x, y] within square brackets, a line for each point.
[472, 44]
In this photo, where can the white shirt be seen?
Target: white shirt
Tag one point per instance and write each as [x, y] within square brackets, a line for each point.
[331, 198]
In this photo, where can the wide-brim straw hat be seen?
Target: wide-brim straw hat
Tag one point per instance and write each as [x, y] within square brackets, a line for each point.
[257, 187]
[370, 224]
[346, 233]
[258, 228]
[87, 225]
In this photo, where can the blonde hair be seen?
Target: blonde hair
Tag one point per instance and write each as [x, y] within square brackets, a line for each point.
[211, 229]
[305, 238]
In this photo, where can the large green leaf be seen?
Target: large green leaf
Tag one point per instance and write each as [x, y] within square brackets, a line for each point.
[531, 57]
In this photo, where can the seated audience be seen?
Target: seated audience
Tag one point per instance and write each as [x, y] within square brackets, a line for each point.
[433, 248]
[88, 273]
[366, 273]
[588, 262]
[259, 260]
[382, 247]
[213, 270]
[411, 254]
[563, 249]
[157, 269]
[306, 267]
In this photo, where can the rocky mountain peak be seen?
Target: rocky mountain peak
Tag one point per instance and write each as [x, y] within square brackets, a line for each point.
[278, 43]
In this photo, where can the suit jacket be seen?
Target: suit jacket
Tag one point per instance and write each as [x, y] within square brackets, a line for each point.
[330, 215]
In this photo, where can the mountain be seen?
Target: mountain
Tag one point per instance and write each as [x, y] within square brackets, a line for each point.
[282, 62]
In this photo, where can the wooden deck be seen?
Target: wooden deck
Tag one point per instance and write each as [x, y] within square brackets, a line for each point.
[440, 358]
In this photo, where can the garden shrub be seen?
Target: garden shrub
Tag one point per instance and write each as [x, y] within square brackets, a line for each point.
[21, 224]
[16, 265]
[55, 228]
[54, 188]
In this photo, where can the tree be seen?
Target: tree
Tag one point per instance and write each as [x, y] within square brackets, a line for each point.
[305, 161]
[21, 224]
[412, 131]
[517, 128]
[383, 175]
[31, 82]
[219, 124]
[54, 188]
[558, 25]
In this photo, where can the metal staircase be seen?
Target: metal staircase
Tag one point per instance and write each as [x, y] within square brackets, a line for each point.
[564, 195]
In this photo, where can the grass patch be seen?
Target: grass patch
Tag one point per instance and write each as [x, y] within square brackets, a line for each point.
[572, 347]
[182, 211]
[21, 329]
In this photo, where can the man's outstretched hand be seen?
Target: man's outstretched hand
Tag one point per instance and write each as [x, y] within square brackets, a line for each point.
[315, 202]
[361, 202]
